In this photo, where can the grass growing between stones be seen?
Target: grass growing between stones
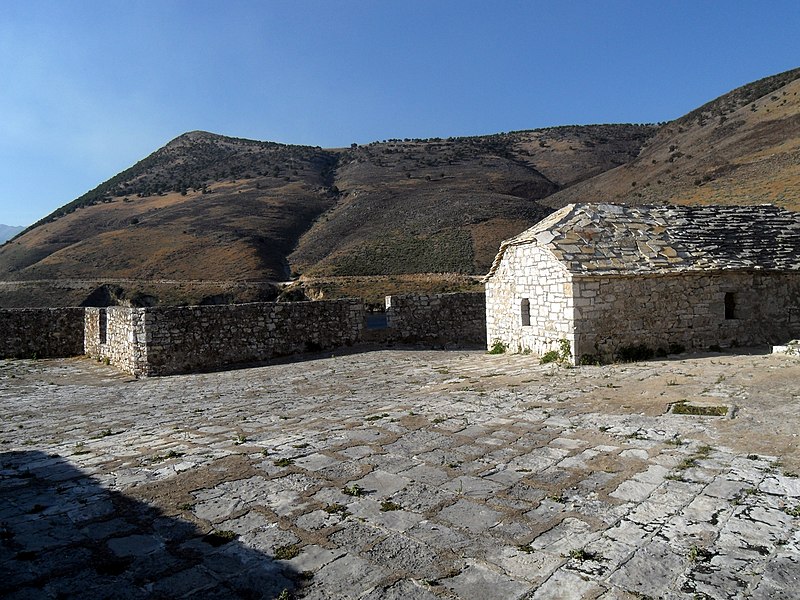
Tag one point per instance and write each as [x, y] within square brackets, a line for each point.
[286, 552]
[162, 457]
[354, 490]
[104, 433]
[793, 511]
[337, 509]
[582, 554]
[689, 463]
[743, 495]
[698, 554]
[377, 417]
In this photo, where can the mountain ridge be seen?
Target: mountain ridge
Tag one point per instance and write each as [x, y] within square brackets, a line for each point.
[9, 231]
[743, 147]
[211, 207]
[206, 206]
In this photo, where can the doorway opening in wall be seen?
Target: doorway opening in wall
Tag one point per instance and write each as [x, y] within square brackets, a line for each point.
[103, 326]
[525, 312]
[730, 305]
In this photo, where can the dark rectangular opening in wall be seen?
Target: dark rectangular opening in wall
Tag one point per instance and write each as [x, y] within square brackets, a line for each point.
[525, 312]
[730, 305]
[103, 325]
[376, 320]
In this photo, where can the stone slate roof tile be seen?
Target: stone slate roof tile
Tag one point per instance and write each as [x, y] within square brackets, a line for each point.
[625, 240]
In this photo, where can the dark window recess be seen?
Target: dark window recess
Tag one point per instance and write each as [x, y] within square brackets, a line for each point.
[525, 311]
[103, 326]
[377, 321]
[730, 305]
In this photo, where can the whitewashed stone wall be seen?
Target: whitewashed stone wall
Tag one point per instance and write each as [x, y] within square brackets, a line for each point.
[529, 272]
[685, 310]
[120, 341]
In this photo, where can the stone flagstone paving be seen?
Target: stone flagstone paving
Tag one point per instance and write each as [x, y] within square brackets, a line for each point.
[402, 474]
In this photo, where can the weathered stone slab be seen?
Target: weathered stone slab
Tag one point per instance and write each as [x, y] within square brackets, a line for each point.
[478, 581]
[346, 577]
[564, 585]
[633, 491]
[468, 515]
[651, 570]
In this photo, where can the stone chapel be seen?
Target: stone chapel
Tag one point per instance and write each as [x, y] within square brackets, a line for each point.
[605, 277]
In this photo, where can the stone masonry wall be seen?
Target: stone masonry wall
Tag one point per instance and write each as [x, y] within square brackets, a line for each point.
[685, 309]
[529, 272]
[161, 341]
[457, 319]
[183, 339]
[117, 335]
[41, 332]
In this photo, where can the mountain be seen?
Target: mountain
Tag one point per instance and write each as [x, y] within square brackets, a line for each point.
[443, 205]
[742, 148]
[209, 207]
[202, 207]
[233, 212]
[8, 231]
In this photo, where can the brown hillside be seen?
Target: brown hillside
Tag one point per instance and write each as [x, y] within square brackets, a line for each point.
[207, 207]
[742, 148]
[202, 207]
[419, 206]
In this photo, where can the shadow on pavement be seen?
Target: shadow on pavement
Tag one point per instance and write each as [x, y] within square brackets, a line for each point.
[62, 535]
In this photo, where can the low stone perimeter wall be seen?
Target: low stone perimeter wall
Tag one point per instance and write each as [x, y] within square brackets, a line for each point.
[167, 340]
[442, 319]
[162, 341]
[41, 332]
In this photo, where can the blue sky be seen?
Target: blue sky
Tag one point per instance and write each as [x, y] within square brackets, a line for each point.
[90, 87]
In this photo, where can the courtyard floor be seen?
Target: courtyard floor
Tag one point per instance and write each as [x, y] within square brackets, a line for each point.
[402, 474]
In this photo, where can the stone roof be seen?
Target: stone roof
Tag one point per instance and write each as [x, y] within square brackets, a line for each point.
[619, 239]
